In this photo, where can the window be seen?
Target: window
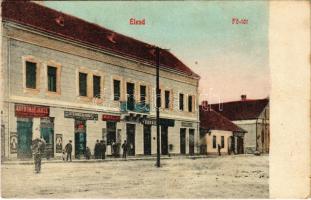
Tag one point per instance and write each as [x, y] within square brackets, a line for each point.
[143, 94]
[82, 84]
[116, 90]
[31, 75]
[222, 142]
[167, 99]
[181, 101]
[111, 132]
[96, 86]
[159, 98]
[52, 75]
[214, 141]
[190, 103]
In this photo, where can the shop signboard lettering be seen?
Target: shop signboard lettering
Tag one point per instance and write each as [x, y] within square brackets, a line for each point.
[81, 116]
[24, 110]
[186, 124]
[114, 118]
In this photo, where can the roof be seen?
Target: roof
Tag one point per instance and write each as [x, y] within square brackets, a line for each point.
[241, 110]
[70, 27]
[210, 119]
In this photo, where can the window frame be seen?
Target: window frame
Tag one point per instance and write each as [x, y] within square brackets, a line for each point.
[100, 86]
[214, 141]
[38, 68]
[86, 84]
[222, 141]
[58, 67]
[183, 101]
[190, 97]
[167, 105]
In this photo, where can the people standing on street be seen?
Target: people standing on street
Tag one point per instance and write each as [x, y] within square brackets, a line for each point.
[103, 149]
[38, 147]
[124, 147]
[87, 153]
[219, 148]
[96, 150]
[68, 149]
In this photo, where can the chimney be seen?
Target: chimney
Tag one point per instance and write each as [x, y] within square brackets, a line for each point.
[243, 97]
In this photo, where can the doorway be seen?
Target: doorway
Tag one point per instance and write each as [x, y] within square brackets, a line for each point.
[47, 133]
[80, 138]
[240, 145]
[182, 141]
[147, 139]
[164, 140]
[24, 137]
[130, 135]
[191, 141]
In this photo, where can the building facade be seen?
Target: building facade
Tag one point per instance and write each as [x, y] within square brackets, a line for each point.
[251, 115]
[68, 79]
[218, 131]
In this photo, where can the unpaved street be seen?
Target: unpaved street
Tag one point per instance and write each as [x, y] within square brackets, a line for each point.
[224, 177]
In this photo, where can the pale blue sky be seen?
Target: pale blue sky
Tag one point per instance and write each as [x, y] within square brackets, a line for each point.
[231, 59]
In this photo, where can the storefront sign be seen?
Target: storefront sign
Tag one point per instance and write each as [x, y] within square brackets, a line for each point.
[167, 122]
[113, 118]
[186, 124]
[149, 122]
[59, 143]
[13, 142]
[23, 110]
[82, 116]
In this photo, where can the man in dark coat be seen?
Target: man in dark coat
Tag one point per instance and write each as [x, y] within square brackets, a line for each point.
[38, 147]
[219, 148]
[96, 149]
[103, 149]
[68, 149]
[124, 147]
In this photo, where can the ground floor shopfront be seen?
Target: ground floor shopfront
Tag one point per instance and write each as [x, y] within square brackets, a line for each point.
[58, 125]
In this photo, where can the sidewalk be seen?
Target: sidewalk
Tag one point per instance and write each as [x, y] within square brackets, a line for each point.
[108, 159]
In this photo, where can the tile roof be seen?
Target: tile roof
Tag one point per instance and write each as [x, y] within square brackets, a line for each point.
[63, 25]
[241, 110]
[209, 119]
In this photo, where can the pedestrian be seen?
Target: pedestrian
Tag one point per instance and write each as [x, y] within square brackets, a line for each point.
[87, 153]
[96, 149]
[103, 149]
[38, 147]
[68, 149]
[124, 147]
[219, 148]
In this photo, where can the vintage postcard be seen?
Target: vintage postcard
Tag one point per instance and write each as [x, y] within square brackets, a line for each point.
[160, 99]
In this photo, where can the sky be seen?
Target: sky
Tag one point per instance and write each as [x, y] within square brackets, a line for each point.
[231, 59]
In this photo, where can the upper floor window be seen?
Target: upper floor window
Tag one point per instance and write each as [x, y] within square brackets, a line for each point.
[96, 86]
[143, 94]
[167, 99]
[31, 75]
[52, 76]
[159, 99]
[116, 90]
[190, 103]
[82, 84]
[181, 101]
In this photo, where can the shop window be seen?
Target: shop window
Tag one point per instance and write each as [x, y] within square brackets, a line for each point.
[190, 103]
[52, 76]
[96, 86]
[111, 132]
[143, 94]
[167, 99]
[31, 75]
[222, 141]
[82, 84]
[116, 90]
[214, 141]
[181, 101]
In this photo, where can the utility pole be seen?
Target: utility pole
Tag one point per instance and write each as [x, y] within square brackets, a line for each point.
[158, 104]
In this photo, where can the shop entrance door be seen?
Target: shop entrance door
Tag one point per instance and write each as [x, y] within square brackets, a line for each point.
[191, 141]
[147, 139]
[130, 135]
[182, 141]
[24, 138]
[80, 138]
[47, 133]
[164, 140]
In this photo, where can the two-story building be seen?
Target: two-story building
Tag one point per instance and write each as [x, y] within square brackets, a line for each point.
[69, 79]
